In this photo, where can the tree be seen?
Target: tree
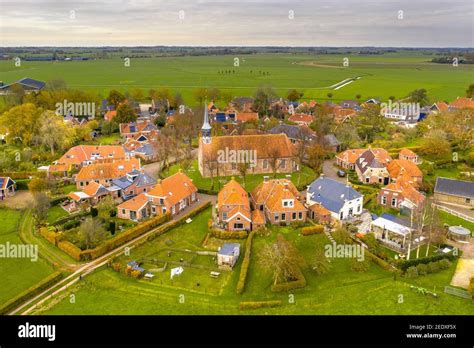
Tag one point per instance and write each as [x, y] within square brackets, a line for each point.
[200, 94]
[329, 95]
[262, 99]
[294, 95]
[243, 169]
[22, 122]
[316, 155]
[282, 260]
[274, 159]
[470, 91]
[341, 236]
[91, 233]
[137, 94]
[419, 96]
[435, 144]
[213, 94]
[105, 207]
[38, 184]
[348, 136]
[125, 114]
[41, 205]
[53, 132]
[321, 263]
[370, 123]
[115, 97]
[55, 85]
[358, 96]
[16, 95]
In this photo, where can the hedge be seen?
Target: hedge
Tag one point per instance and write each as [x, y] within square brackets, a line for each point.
[404, 265]
[381, 262]
[48, 234]
[223, 234]
[30, 292]
[67, 218]
[300, 282]
[122, 238]
[70, 249]
[307, 231]
[24, 175]
[245, 264]
[259, 304]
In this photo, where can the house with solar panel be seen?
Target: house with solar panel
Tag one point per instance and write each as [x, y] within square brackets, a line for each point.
[340, 199]
[7, 187]
[27, 84]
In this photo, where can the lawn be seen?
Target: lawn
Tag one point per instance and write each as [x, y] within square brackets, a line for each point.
[56, 212]
[381, 76]
[341, 291]
[17, 274]
[251, 180]
[452, 220]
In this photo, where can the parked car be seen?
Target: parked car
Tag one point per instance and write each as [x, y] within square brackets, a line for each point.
[341, 173]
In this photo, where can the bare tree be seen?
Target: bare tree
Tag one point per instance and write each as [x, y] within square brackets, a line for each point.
[91, 232]
[41, 205]
[274, 156]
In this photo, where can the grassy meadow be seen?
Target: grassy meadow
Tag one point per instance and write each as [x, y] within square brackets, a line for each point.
[17, 274]
[381, 76]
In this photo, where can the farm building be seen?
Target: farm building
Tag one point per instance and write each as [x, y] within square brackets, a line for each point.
[452, 191]
[7, 187]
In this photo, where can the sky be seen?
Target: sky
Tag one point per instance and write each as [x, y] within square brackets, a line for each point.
[382, 23]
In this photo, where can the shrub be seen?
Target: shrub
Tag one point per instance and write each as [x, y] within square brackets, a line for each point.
[112, 227]
[341, 236]
[433, 267]
[444, 264]
[422, 269]
[297, 224]
[306, 231]
[404, 265]
[223, 234]
[470, 287]
[411, 272]
[245, 264]
[359, 266]
[259, 304]
[71, 224]
[94, 212]
[116, 266]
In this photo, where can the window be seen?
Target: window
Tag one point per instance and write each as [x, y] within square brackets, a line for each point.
[283, 217]
[285, 203]
[265, 164]
[300, 215]
[394, 202]
[468, 200]
[153, 209]
[234, 166]
[123, 211]
[294, 216]
[367, 179]
[224, 215]
[276, 217]
[161, 201]
[384, 200]
[238, 226]
[283, 164]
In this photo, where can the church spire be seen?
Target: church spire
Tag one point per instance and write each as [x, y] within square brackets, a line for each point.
[206, 126]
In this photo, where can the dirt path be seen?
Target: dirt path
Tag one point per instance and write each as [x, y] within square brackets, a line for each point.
[21, 200]
[465, 268]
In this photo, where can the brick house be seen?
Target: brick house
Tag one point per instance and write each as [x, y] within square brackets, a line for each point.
[172, 194]
[398, 195]
[347, 159]
[233, 207]
[369, 169]
[402, 169]
[409, 155]
[278, 199]
[105, 172]
[318, 213]
[301, 119]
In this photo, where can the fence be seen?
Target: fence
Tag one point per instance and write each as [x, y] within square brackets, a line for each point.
[454, 212]
[457, 292]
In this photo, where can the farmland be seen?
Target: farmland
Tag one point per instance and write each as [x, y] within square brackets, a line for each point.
[380, 76]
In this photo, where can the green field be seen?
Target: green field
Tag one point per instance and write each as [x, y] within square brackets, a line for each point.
[381, 76]
[341, 291]
[17, 274]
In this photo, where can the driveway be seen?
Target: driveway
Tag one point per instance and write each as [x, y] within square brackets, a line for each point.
[330, 171]
[21, 200]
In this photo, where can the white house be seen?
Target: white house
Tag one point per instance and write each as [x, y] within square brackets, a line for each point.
[340, 199]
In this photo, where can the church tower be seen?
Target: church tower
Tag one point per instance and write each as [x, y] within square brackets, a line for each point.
[206, 127]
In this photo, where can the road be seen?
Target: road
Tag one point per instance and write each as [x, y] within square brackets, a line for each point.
[89, 267]
[154, 168]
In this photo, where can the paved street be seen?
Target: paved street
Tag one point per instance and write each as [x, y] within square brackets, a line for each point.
[330, 171]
